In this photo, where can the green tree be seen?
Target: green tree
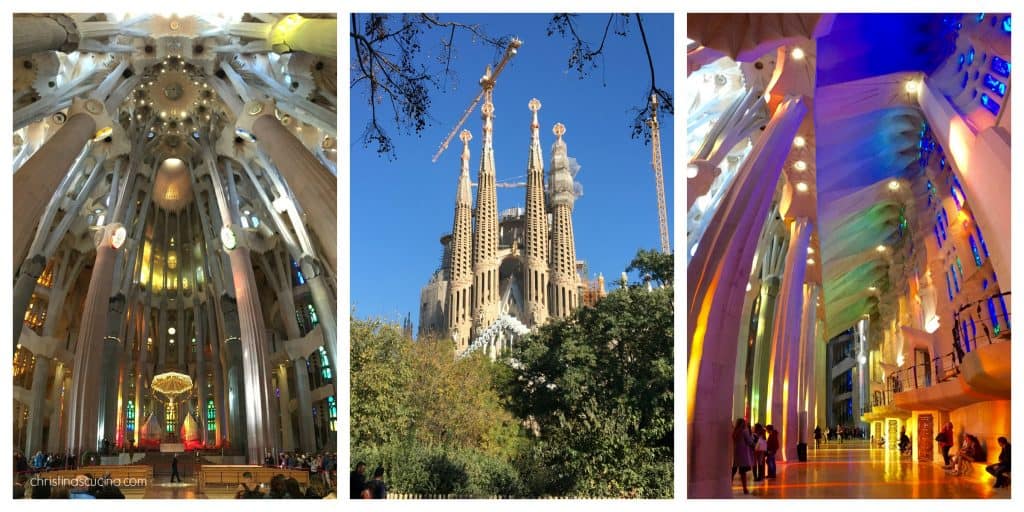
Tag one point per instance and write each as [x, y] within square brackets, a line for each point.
[659, 266]
[597, 389]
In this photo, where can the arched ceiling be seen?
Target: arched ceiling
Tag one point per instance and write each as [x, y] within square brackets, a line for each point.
[869, 129]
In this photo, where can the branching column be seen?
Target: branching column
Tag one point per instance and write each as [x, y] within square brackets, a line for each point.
[43, 32]
[313, 186]
[783, 393]
[251, 326]
[83, 420]
[35, 181]
[717, 281]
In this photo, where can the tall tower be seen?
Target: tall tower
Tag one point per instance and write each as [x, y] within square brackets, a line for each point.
[564, 296]
[460, 266]
[536, 229]
[485, 238]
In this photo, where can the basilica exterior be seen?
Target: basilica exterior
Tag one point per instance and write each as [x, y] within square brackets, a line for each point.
[504, 274]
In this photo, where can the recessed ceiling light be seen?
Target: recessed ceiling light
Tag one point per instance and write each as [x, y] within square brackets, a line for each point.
[894, 185]
[798, 53]
[880, 248]
[910, 86]
[810, 261]
[810, 250]
[800, 165]
[799, 141]
[802, 187]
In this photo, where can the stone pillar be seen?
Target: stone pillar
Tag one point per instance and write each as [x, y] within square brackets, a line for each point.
[219, 402]
[324, 302]
[312, 185]
[786, 336]
[83, 420]
[307, 437]
[201, 394]
[805, 380]
[57, 401]
[287, 434]
[34, 426]
[35, 181]
[716, 286]
[43, 32]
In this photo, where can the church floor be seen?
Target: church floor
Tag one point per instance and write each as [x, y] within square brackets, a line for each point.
[853, 470]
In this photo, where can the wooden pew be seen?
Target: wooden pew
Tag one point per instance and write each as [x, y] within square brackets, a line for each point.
[231, 474]
[120, 474]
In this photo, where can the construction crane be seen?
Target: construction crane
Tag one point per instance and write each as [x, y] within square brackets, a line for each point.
[486, 92]
[659, 176]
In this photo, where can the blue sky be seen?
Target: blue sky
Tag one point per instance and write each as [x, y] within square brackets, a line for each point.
[400, 208]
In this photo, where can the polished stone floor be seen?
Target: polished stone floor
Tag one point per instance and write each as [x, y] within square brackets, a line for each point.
[853, 470]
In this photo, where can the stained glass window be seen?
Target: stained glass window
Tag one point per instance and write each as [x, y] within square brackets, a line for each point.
[332, 413]
[981, 240]
[129, 414]
[1000, 66]
[974, 250]
[171, 417]
[211, 416]
[993, 316]
[949, 289]
[325, 366]
[989, 104]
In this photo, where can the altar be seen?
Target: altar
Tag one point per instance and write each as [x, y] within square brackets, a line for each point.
[172, 447]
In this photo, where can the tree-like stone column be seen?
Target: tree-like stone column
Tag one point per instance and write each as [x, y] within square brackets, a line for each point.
[312, 184]
[717, 281]
[786, 335]
[43, 32]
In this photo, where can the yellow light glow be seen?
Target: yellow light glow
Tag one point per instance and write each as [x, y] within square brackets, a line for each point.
[800, 165]
[894, 185]
[880, 248]
[798, 53]
[810, 250]
[802, 187]
[799, 141]
[810, 261]
[103, 133]
[910, 86]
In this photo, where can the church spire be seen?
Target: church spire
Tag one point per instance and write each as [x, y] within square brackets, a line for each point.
[485, 241]
[536, 253]
[564, 279]
[457, 302]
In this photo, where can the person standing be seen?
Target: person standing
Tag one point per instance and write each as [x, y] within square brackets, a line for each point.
[945, 440]
[760, 452]
[773, 448]
[174, 469]
[817, 436]
[742, 456]
[357, 481]
[378, 489]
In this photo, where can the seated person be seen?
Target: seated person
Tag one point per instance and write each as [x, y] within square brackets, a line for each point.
[904, 443]
[970, 451]
[1001, 469]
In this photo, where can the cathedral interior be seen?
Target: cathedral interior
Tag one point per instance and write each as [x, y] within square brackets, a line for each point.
[848, 246]
[174, 237]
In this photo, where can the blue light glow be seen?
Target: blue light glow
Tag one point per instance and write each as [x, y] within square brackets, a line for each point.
[992, 314]
[970, 56]
[963, 83]
[1006, 24]
[981, 17]
[1006, 313]
[995, 85]
[960, 63]
[984, 248]
[977, 255]
[1000, 66]
[990, 104]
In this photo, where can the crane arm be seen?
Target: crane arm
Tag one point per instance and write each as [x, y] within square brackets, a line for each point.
[462, 120]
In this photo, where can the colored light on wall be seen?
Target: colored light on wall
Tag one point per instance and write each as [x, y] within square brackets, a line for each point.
[1006, 24]
[974, 250]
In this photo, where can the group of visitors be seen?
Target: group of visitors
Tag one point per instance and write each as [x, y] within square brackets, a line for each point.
[374, 489]
[84, 486]
[754, 449]
[972, 451]
[43, 461]
[282, 487]
[321, 466]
